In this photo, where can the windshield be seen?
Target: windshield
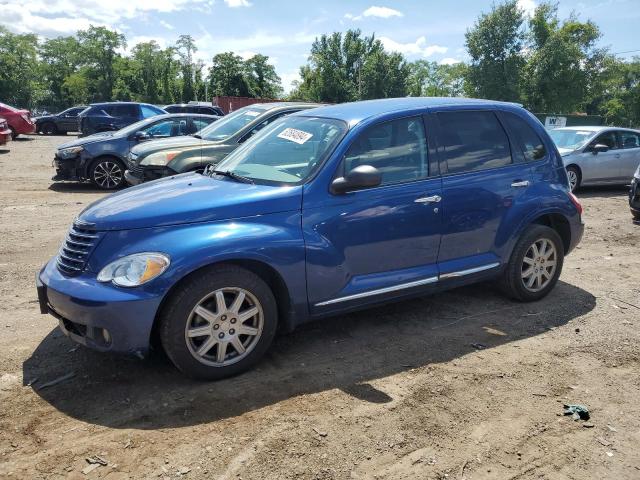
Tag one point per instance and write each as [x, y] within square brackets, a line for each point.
[287, 151]
[134, 127]
[230, 124]
[569, 138]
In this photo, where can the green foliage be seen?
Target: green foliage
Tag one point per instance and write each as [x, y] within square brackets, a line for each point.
[495, 45]
[430, 79]
[18, 67]
[227, 76]
[262, 79]
[350, 67]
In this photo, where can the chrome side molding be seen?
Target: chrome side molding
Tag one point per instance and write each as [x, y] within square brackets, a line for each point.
[402, 286]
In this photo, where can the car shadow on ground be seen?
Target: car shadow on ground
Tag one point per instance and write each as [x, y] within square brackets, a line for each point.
[77, 187]
[4, 151]
[603, 191]
[345, 352]
[22, 138]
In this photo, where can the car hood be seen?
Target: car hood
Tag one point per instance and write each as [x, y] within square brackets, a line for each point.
[565, 151]
[188, 198]
[96, 137]
[42, 118]
[153, 146]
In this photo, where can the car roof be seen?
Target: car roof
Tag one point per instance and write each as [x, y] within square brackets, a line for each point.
[118, 103]
[272, 105]
[595, 128]
[355, 112]
[192, 104]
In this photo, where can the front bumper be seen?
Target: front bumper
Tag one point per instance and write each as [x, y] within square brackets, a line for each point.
[97, 315]
[634, 196]
[136, 174]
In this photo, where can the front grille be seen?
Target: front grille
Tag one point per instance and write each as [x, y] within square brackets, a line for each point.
[76, 248]
[136, 170]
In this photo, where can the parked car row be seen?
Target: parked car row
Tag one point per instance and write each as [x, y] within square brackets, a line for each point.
[326, 210]
[59, 123]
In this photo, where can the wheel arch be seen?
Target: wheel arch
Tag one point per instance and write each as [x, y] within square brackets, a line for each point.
[266, 272]
[91, 162]
[560, 224]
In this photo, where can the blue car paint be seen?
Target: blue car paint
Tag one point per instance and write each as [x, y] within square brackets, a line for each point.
[331, 251]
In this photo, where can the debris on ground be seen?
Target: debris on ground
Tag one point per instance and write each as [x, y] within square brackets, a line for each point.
[320, 432]
[57, 381]
[577, 412]
[478, 346]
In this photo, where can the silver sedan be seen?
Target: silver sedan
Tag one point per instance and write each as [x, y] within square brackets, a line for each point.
[598, 155]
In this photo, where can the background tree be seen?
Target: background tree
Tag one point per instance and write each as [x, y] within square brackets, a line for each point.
[98, 46]
[186, 47]
[60, 59]
[430, 79]
[262, 79]
[18, 68]
[495, 44]
[227, 76]
[562, 61]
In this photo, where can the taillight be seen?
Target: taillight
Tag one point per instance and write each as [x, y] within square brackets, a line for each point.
[576, 202]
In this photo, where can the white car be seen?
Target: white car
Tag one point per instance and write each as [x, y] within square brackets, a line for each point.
[598, 155]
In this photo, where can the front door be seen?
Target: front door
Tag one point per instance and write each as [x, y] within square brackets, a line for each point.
[369, 244]
[480, 184]
[602, 167]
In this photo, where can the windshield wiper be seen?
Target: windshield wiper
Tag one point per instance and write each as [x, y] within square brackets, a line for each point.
[228, 173]
[197, 136]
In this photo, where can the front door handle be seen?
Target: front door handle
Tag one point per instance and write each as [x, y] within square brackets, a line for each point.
[520, 183]
[430, 199]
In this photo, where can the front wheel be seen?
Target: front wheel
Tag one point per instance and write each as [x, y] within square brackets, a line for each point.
[535, 264]
[218, 323]
[107, 173]
[49, 129]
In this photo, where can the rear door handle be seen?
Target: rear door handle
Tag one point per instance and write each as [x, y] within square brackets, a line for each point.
[520, 183]
[430, 199]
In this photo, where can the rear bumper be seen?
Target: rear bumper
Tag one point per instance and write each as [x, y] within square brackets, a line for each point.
[97, 315]
[25, 127]
[577, 231]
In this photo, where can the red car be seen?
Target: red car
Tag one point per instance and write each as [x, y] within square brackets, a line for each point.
[19, 120]
[5, 132]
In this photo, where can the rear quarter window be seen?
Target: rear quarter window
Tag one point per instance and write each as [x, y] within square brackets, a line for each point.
[526, 138]
[472, 140]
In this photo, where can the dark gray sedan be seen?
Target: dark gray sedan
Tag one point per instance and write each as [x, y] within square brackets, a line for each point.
[101, 158]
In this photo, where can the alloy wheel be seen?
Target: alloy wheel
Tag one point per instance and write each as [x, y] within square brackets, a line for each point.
[539, 265]
[107, 175]
[224, 327]
[573, 179]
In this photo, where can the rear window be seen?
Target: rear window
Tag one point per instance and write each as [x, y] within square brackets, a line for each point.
[473, 140]
[528, 140]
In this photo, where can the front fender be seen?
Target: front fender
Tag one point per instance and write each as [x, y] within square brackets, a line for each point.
[274, 240]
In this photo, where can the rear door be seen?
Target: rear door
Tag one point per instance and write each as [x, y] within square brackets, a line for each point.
[68, 121]
[480, 183]
[630, 153]
[367, 244]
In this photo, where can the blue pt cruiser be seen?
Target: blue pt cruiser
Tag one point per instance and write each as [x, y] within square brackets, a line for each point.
[324, 211]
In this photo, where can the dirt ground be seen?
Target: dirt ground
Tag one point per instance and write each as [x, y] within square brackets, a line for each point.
[399, 392]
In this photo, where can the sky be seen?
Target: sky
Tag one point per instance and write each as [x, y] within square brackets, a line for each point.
[285, 29]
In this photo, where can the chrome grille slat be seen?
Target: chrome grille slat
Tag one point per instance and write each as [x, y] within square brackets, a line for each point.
[76, 248]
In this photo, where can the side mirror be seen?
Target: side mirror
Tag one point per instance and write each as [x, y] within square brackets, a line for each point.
[363, 176]
[140, 135]
[599, 148]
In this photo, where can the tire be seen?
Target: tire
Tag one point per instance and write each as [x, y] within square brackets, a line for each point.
[49, 129]
[14, 135]
[636, 216]
[195, 306]
[515, 282]
[107, 173]
[575, 177]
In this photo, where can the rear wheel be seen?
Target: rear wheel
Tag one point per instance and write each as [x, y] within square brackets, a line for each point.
[535, 264]
[575, 177]
[218, 323]
[107, 173]
[49, 129]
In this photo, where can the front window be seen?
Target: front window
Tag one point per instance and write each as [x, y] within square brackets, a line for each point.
[569, 138]
[286, 152]
[231, 123]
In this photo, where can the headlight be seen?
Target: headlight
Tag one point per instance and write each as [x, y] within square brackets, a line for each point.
[134, 270]
[69, 152]
[159, 159]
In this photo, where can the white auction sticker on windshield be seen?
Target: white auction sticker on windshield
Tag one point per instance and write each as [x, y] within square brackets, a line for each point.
[252, 113]
[295, 135]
